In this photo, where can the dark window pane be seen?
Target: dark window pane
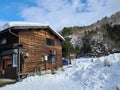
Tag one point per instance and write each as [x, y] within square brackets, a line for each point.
[51, 58]
[3, 41]
[50, 42]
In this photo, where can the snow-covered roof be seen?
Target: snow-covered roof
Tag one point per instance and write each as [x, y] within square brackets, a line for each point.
[28, 24]
[13, 24]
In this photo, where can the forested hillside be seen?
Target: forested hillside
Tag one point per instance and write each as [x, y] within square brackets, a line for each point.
[102, 37]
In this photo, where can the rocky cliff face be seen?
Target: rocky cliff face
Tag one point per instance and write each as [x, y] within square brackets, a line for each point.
[104, 35]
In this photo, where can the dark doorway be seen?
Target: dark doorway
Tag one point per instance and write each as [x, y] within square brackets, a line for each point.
[7, 70]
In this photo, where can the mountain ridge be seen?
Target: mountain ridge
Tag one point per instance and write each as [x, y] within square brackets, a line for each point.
[104, 35]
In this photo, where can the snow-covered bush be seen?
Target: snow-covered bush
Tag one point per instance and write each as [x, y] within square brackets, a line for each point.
[108, 62]
[118, 87]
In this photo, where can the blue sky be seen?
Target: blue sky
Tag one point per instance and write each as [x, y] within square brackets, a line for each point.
[57, 13]
[11, 9]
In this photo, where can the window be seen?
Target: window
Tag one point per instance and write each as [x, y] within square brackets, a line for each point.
[3, 41]
[50, 42]
[51, 58]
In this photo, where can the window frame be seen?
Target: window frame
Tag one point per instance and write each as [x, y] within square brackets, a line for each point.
[3, 41]
[50, 42]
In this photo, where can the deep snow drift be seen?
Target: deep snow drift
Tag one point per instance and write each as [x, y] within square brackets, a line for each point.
[84, 74]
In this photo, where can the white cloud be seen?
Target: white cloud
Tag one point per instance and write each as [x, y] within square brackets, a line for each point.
[61, 13]
[2, 22]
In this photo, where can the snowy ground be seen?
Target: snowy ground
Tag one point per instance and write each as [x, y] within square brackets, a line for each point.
[84, 74]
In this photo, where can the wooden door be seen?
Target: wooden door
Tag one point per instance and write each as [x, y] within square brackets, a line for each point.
[6, 64]
[7, 70]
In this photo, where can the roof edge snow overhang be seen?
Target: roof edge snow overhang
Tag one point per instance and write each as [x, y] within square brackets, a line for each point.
[27, 25]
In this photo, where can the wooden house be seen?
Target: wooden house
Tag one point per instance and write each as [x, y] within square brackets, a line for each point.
[27, 47]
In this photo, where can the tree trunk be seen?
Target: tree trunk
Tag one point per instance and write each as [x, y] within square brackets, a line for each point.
[69, 56]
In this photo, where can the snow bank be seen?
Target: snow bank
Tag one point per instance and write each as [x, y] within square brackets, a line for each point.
[83, 74]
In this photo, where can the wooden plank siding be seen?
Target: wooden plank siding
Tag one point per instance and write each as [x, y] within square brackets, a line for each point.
[16, 40]
[34, 43]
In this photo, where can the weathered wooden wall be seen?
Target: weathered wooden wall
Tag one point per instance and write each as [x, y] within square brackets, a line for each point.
[8, 46]
[11, 39]
[34, 43]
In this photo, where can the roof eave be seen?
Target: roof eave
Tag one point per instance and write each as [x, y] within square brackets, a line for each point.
[56, 33]
[15, 25]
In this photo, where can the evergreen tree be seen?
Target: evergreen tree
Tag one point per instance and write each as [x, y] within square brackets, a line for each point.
[86, 48]
[67, 47]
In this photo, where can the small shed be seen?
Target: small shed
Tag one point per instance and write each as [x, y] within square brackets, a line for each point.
[26, 47]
